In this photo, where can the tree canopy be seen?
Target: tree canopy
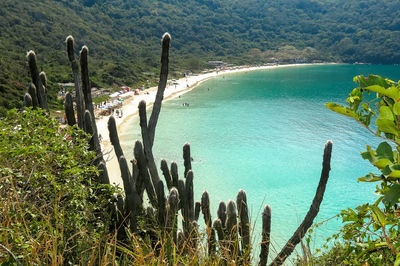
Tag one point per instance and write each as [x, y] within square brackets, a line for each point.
[122, 35]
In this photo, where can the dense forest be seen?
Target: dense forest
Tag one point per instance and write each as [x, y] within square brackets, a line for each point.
[123, 36]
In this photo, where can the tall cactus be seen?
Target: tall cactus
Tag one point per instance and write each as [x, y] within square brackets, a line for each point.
[187, 158]
[231, 226]
[80, 104]
[86, 90]
[312, 212]
[166, 39]
[189, 195]
[148, 129]
[205, 208]
[266, 235]
[244, 223]
[89, 130]
[147, 143]
[112, 129]
[161, 204]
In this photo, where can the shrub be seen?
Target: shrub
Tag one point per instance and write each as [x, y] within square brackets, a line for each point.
[52, 209]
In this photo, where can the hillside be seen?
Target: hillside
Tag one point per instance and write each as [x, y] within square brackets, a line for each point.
[123, 35]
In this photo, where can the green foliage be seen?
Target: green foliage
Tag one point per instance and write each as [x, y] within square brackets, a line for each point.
[371, 231]
[52, 208]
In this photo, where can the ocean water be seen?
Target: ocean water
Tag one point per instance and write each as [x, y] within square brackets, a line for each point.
[264, 132]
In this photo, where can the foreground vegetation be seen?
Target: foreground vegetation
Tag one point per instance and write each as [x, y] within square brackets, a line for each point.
[53, 211]
[370, 234]
[123, 36]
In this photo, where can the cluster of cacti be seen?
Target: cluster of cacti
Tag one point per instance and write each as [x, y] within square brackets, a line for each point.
[36, 95]
[231, 227]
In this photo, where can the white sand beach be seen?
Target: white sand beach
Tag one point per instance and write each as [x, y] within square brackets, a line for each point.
[130, 108]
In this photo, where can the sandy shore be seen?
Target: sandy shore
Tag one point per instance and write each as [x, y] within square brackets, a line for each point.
[130, 108]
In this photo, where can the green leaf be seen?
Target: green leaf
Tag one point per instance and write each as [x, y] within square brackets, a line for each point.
[369, 178]
[378, 215]
[382, 163]
[395, 174]
[366, 155]
[342, 110]
[396, 108]
[384, 150]
[386, 113]
[392, 92]
[392, 196]
[387, 126]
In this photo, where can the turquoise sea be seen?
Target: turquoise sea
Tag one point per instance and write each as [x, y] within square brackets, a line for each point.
[264, 132]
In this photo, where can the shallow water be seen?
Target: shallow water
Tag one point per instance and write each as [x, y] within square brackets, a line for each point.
[264, 132]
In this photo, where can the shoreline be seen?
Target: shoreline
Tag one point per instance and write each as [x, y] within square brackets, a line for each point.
[183, 85]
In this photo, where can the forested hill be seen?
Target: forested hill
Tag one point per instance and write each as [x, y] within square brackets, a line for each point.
[124, 35]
